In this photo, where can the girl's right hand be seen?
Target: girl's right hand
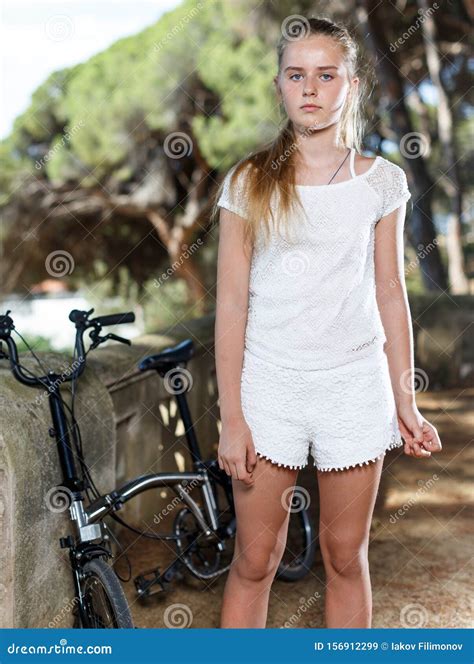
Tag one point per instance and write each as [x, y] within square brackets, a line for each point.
[236, 453]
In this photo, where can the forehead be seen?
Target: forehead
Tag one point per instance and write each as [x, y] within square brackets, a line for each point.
[313, 51]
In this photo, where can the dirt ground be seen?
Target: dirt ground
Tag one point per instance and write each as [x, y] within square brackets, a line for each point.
[420, 557]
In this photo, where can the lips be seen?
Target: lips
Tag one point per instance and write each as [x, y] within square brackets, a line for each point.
[310, 107]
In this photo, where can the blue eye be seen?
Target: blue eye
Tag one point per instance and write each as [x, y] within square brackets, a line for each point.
[330, 77]
[295, 75]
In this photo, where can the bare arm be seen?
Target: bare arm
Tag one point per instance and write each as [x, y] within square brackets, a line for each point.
[236, 454]
[421, 437]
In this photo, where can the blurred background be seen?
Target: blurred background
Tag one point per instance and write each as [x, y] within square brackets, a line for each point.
[119, 119]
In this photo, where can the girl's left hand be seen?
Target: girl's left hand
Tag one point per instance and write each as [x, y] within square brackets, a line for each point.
[421, 438]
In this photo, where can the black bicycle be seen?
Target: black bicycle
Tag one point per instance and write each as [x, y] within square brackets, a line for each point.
[201, 529]
[99, 598]
[201, 537]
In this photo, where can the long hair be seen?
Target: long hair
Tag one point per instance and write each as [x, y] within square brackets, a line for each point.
[268, 174]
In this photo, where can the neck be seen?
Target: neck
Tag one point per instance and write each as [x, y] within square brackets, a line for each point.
[319, 147]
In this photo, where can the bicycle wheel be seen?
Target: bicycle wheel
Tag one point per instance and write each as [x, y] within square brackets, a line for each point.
[199, 553]
[300, 551]
[104, 602]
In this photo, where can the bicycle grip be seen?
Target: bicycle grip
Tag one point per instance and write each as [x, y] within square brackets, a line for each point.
[115, 319]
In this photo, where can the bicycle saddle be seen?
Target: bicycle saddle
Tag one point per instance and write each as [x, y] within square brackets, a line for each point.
[169, 357]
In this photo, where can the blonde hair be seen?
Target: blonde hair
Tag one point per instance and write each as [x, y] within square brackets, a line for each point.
[271, 169]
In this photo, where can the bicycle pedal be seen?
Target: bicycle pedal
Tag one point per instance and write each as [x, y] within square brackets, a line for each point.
[149, 583]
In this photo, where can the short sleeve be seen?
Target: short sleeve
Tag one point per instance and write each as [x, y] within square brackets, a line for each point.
[233, 197]
[395, 189]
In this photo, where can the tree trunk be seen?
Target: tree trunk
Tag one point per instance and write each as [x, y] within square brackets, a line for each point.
[422, 235]
[456, 267]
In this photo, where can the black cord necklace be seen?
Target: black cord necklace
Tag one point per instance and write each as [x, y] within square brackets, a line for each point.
[340, 167]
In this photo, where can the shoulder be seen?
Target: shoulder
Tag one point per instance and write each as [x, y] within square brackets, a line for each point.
[237, 174]
[390, 182]
[232, 192]
[363, 164]
[390, 169]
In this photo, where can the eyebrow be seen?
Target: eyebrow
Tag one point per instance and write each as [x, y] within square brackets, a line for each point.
[302, 68]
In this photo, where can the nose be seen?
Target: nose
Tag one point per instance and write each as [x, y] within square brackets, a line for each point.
[310, 88]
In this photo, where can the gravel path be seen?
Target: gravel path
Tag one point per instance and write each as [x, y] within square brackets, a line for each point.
[420, 551]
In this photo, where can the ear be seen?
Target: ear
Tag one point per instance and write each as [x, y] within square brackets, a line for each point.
[277, 88]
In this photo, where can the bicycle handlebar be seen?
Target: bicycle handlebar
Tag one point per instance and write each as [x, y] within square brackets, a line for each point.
[77, 316]
[82, 323]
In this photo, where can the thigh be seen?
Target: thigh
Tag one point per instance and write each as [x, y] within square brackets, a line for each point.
[347, 500]
[262, 510]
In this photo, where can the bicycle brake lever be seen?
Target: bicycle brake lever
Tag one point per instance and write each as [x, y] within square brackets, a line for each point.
[115, 337]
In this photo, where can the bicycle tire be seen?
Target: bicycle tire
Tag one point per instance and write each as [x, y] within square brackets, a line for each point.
[305, 559]
[98, 572]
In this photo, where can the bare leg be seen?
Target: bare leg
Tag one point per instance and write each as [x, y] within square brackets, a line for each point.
[262, 527]
[347, 501]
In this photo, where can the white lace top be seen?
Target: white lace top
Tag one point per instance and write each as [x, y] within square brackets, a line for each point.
[312, 301]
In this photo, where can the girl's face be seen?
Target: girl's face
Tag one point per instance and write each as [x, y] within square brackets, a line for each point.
[313, 73]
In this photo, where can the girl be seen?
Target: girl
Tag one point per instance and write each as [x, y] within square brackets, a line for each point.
[314, 351]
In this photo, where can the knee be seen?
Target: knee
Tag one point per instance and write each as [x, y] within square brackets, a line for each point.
[344, 556]
[257, 563]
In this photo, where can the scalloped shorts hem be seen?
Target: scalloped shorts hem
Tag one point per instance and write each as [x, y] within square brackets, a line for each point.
[328, 468]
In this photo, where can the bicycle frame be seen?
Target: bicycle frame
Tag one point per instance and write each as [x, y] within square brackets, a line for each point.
[88, 520]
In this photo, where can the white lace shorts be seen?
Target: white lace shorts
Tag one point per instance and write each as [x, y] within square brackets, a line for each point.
[345, 416]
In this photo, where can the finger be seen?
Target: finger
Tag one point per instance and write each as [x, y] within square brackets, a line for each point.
[227, 468]
[251, 459]
[403, 430]
[236, 471]
[420, 451]
[431, 437]
[417, 434]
